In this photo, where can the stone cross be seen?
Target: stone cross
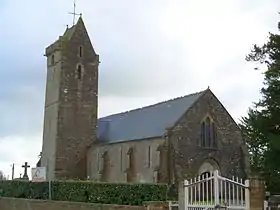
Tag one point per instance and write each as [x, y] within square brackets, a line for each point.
[25, 166]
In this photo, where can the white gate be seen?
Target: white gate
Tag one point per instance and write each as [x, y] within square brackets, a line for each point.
[212, 191]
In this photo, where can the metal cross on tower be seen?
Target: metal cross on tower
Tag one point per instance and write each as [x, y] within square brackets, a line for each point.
[74, 12]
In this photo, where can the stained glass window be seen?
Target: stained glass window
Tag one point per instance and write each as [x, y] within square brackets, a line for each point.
[208, 132]
[213, 135]
[203, 134]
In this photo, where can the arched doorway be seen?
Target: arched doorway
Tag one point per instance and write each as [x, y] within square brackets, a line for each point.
[206, 186]
[208, 165]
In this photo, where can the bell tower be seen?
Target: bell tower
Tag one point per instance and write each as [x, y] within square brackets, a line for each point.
[70, 115]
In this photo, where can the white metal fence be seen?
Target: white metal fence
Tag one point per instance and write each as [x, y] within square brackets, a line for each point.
[211, 191]
[173, 205]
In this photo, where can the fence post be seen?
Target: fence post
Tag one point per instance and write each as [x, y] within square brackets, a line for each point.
[257, 193]
[216, 187]
[247, 194]
[181, 195]
[50, 190]
[186, 190]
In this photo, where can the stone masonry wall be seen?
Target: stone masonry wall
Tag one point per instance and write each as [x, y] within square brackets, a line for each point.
[185, 139]
[70, 119]
[257, 193]
[24, 204]
[77, 115]
[118, 160]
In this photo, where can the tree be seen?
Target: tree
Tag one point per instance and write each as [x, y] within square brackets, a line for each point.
[2, 176]
[262, 125]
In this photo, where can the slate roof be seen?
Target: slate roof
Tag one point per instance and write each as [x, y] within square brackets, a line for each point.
[146, 122]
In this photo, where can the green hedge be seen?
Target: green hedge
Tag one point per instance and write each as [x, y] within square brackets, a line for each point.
[85, 191]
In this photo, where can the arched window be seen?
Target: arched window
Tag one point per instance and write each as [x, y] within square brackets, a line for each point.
[130, 170]
[79, 72]
[203, 134]
[80, 51]
[52, 60]
[214, 144]
[208, 134]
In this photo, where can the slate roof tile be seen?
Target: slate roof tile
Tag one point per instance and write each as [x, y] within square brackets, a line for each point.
[147, 122]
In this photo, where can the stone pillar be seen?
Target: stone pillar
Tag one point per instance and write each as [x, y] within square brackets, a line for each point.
[257, 193]
[181, 195]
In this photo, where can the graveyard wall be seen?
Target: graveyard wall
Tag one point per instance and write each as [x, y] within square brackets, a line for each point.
[25, 204]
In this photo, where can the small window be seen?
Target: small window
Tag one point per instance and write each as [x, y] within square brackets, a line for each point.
[130, 158]
[80, 51]
[149, 157]
[79, 72]
[52, 60]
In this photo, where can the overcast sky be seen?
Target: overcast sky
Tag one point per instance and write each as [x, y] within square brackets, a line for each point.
[149, 50]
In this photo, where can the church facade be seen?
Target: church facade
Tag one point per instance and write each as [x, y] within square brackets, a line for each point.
[162, 143]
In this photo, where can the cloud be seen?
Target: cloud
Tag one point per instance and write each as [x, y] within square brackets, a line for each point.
[17, 150]
[150, 51]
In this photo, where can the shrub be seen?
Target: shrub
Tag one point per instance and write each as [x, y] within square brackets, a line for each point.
[85, 191]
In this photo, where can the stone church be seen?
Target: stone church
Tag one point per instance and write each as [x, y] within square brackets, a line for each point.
[162, 143]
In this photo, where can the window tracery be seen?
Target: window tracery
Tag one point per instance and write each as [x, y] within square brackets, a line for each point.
[208, 133]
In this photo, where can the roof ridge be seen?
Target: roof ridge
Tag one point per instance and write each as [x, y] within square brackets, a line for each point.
[152, 105]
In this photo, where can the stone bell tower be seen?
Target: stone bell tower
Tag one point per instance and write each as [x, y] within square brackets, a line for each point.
[70, 116]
